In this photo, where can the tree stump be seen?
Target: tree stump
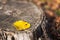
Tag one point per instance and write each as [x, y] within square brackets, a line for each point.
[18, 10]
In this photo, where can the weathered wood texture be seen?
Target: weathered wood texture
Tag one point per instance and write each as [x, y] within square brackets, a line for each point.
[18, 10]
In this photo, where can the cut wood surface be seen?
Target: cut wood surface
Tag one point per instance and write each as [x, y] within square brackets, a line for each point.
[19, 10]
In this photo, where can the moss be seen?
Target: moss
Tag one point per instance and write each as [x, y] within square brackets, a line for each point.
[58, 12]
